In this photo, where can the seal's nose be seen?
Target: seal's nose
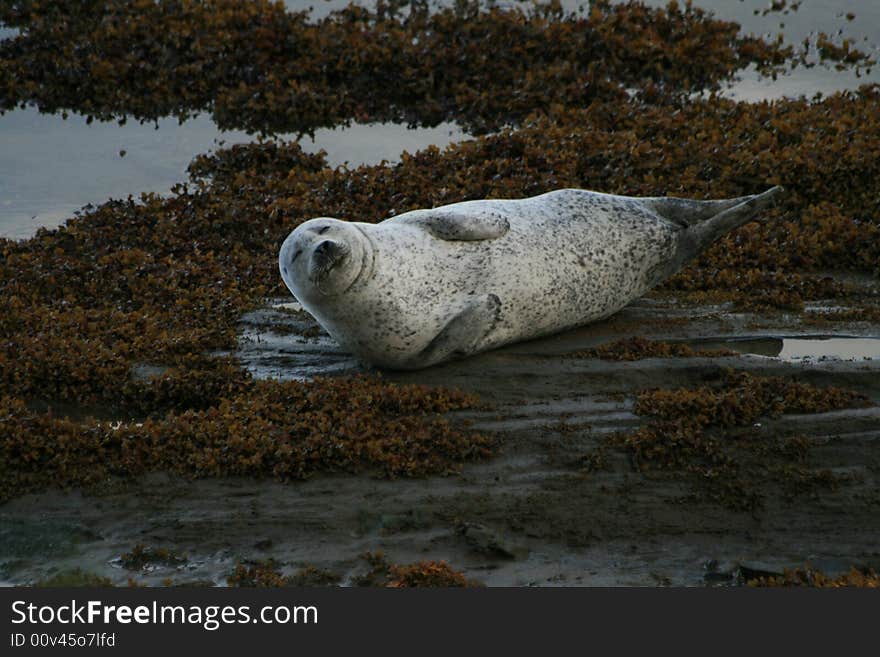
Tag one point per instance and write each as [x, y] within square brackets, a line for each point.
[324, 248]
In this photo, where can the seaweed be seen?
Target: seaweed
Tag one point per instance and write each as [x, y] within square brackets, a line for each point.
[74, 577]
[286, 430]
[420, 574]
[142, 557]
[637, 348]
[257, 67]
[814, 578]
[260, 574]
[707, 436]
[380, 573]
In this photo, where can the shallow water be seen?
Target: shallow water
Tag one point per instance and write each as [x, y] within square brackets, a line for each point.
[272, 346]
[813, 16]
[50, 167]
[802, 348]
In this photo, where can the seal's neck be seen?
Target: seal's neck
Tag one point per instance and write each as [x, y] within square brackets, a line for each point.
[368, 259]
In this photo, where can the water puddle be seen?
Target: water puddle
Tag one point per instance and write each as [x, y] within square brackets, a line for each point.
[801, 348]
[863, 32]
[51, 167]
[284, 342]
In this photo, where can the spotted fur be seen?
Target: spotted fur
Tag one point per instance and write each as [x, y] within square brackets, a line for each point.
[431, 285]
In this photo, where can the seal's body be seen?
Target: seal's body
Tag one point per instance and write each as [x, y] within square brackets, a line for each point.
[431, 285]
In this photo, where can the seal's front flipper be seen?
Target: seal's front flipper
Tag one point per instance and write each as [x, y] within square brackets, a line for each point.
[688, 212]
[456, 225]
[464, 334]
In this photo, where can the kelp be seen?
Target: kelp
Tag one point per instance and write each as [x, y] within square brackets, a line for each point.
[255, 66]
[637, 348]
[285, 430]
[709, 438]
[380, 573]
[815, 578]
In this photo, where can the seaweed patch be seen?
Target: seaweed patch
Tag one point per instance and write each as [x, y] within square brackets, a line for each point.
[707, 436]
[814, 578]
[286, 430]
[143, 557]
[255, 66]
[637, 348]
[379, 573]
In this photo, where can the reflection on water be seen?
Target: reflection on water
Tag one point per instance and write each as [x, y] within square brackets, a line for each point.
[829, 16]
[321, 8]
[372, 143]
[769, 347]
[819, 347]
[838, 348]
[51, 167]
[813, 16]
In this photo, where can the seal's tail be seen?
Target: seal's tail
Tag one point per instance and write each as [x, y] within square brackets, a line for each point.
[705, 221]
[742, 212]
[688, 212]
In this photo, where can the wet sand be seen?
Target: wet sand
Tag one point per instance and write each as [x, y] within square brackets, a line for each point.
[532, 515]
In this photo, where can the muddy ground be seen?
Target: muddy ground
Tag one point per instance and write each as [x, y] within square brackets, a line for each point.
[533, 515]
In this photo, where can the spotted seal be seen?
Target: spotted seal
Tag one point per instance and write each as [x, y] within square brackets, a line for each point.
[431, 285]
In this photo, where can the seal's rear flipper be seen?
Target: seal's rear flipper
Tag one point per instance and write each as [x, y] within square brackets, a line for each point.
[688, 212]
[733, 217]
[457, 226]
[463, 334]
[697, 236]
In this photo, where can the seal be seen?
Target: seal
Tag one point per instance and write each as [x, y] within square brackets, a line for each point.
[431, 285]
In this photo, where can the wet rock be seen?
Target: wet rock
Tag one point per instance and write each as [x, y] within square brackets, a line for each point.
[489, 541]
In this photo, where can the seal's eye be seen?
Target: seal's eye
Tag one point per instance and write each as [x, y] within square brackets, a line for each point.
[295, 256]
[323, 230]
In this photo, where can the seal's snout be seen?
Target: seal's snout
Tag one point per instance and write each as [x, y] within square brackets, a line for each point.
[325, 256]
[326, 249]
[327, 252]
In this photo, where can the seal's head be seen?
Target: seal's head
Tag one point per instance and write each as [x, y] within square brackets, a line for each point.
[323, 257]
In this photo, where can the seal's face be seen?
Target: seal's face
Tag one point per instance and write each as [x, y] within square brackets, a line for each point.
[322, 257]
